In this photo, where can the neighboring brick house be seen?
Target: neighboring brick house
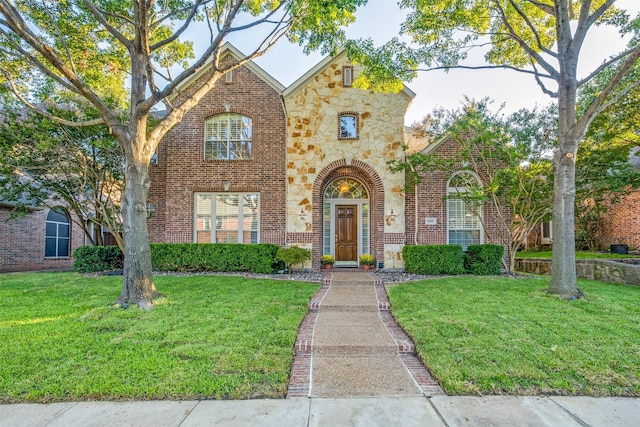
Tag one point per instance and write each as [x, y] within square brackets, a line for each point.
[304, 165]
[42, 239]
[621, 224]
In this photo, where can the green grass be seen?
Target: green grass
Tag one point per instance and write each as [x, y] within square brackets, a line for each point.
[209, 337]
[579, 255]
[508, 336]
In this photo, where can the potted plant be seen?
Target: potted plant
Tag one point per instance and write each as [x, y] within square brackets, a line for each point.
[366, 261]
[327, 261]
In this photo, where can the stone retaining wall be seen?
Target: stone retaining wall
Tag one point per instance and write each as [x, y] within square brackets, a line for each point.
[595, 269]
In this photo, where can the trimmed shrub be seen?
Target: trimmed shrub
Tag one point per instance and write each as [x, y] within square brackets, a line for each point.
[485, 260]
[260, 258]
[433, 259]
[92, 259]
[293, 255]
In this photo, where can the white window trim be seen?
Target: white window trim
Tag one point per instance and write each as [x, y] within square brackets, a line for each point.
[212, 222]
[228, 154]
[546, 240]
[456, 190]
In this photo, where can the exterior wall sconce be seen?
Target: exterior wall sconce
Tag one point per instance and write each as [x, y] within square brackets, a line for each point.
[302, 213]
[226, 185]
[391, 217]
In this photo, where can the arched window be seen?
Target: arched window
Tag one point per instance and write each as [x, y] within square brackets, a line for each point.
[57, 235]
[464, 227]
[227, 136]
[345, 188]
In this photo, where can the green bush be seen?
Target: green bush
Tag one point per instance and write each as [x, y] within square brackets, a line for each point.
[293, 255]
[259, 258]
[184, 257]
[91, 259]
[433, 259]
[485, 260]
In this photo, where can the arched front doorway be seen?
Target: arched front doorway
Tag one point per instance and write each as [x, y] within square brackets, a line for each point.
[346, 222]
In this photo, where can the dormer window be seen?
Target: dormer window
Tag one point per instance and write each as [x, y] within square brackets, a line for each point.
[347, 76]
[348, 126]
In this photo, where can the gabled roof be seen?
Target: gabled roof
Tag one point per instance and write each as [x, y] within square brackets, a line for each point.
[229, 49]
[319, 67]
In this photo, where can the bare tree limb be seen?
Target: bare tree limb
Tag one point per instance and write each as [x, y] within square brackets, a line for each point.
[111, 29]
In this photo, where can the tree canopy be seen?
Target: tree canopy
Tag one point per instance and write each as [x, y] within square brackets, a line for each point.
[85, 46]
[542, 38]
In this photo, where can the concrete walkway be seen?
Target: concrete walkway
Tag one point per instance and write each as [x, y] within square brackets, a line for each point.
[300, 412]
[349, 345]
[353, 367]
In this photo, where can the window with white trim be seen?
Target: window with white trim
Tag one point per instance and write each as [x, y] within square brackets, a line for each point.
[227, 218]
[546, 233]
[348, 126]
[227, 136]
[57, 234]
[464, 226]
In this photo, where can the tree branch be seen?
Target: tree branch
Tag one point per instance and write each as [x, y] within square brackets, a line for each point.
[532, 53]
[111, 29]
[605, 65]
[533, 30]
[596, 105]
[180, 30]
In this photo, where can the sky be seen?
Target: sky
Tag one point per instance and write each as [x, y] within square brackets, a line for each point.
[381, 19]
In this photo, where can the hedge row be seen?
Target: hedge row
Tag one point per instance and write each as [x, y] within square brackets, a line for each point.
[449, 259]
[263, 258]
[184, 257]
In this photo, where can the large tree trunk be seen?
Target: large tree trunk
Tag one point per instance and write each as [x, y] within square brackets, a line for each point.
[137, 287]
[563, 263]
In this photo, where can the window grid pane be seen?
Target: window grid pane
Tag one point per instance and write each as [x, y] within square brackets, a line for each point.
[326, 229]
[227, 218]
[227, 137]
[365, 228]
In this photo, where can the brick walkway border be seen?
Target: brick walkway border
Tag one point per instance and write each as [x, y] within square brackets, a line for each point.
[300, 379]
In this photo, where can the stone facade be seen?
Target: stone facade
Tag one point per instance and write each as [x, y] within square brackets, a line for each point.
[22, 247]
[316, 156]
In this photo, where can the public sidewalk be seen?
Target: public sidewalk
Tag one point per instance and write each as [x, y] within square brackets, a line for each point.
[449, 411]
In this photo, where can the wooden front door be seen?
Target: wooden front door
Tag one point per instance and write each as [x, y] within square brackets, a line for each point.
[346, 233]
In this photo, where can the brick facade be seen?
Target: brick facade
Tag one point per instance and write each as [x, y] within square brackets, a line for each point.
[621, 224]
[181, 170]
[23, 242]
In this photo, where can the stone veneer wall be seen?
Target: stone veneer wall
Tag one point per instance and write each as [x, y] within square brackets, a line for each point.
[182, 171]
[605, 270]
[315, 156]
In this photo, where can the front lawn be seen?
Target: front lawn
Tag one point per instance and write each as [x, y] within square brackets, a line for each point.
[508, 336]
[579, 255]
[209, 337]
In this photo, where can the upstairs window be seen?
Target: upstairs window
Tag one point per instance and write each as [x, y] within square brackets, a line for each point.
[348, 126]
[57, 234]
[227, 136]
[347, 76]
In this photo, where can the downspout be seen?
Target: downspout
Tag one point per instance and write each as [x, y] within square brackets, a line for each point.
[415, 211]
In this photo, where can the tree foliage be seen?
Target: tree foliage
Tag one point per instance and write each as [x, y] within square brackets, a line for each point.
[511, 156]
[44, 163]
[542, 38]
[81, 45]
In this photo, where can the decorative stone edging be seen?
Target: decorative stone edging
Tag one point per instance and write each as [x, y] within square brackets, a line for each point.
[594, 269]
